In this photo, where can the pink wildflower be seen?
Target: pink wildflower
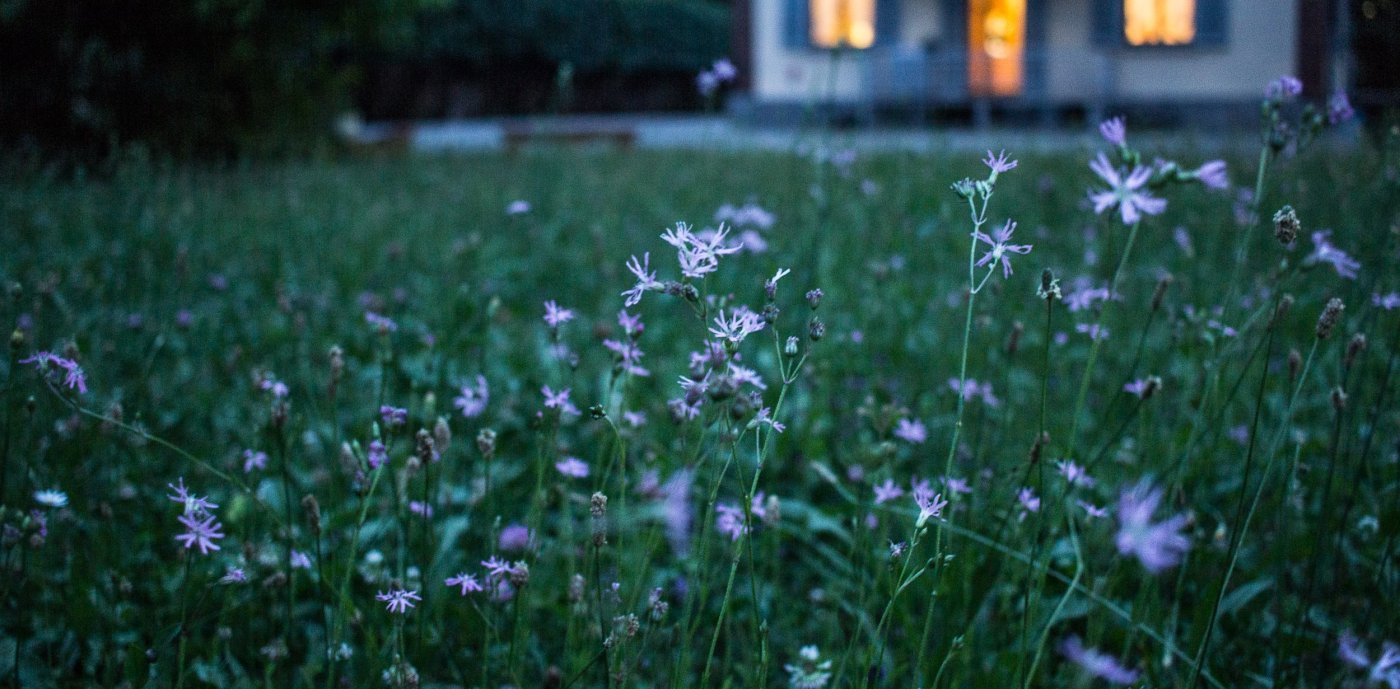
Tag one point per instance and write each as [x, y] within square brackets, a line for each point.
[73, 378]
[201, 532]
[887, 491]
[1075, 475]
[1325, 251]
[472, 401]
[572, 467]
[1284, 88]
[254, 460]
[1126, 191]
[468, 583]
[398, 600]
[646, 279]
[1212, 175]
[555, 316]
[1115, 131]
[383, 324]
[911, 431]
[729, 520]
[1000, 247]
[1158, 545]
[1096, 662]
[998, 163]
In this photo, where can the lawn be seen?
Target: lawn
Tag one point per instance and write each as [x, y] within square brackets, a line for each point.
[320, 433]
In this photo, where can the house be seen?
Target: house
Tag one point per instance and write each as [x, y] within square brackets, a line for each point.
[1197, 57]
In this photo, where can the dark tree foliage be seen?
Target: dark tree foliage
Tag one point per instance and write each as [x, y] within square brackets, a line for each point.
[591, 35]
[486, 57]
[185, 77]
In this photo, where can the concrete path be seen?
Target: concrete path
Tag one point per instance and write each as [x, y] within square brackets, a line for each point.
[725, 133]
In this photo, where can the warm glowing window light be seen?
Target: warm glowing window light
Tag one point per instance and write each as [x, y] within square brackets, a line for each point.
[843, 23]
[1159, 22]
[996, 47]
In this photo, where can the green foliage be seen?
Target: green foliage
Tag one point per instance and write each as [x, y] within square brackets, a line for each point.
[591, 35]
[265, 268]
[208, 77]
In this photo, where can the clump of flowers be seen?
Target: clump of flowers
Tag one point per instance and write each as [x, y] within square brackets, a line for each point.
[202, 528]
[73, 376]
[1134, 183]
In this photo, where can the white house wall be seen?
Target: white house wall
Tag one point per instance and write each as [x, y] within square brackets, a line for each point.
[1260, 46]
[792, 75]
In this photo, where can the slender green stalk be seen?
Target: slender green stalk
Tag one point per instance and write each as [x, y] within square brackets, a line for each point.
[149, 437]
[738, 548]
[1097, 341]
[1059, 608]
[183, 633]
[9, 413]
[342, 608]
[1200, 660]
[1242, 249]
[602, 617]
[903, 581]
[285, 461]
[978, 218]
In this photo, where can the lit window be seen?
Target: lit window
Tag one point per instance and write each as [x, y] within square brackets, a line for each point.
[996, 46]
[1159, 22]
[843, 23]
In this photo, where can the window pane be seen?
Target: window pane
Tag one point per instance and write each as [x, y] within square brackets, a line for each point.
[843, 23]
[1159, 22]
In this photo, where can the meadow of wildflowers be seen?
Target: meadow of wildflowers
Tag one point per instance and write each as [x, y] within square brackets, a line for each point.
[1114, 416]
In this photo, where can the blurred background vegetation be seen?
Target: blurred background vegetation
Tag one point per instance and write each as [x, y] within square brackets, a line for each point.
[223, 78]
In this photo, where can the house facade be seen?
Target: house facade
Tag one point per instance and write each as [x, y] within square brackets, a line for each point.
[1031, 54]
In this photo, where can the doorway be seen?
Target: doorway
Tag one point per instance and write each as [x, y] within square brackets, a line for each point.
[996, 47]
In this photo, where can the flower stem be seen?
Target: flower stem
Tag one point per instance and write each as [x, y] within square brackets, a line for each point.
[1097, 341]
[1069, 591]
[1200, 660]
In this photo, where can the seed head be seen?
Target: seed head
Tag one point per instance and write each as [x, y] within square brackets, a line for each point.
[425, 449]
[312, 509]
[814, 298]
[816, 329]
[520, 573]
[1013, 341]
[1049, 286]
[337, 358]
[790, 349]
[1295, 364]
[1161, 291]
[442, 435]
[1328, 320]
[657, 605]
[598, 508]
[576, 588]
[1038, 447]
[1284, 304]
[1339, 398]
[1354, 348]
[486, 443]
[1286, 225]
